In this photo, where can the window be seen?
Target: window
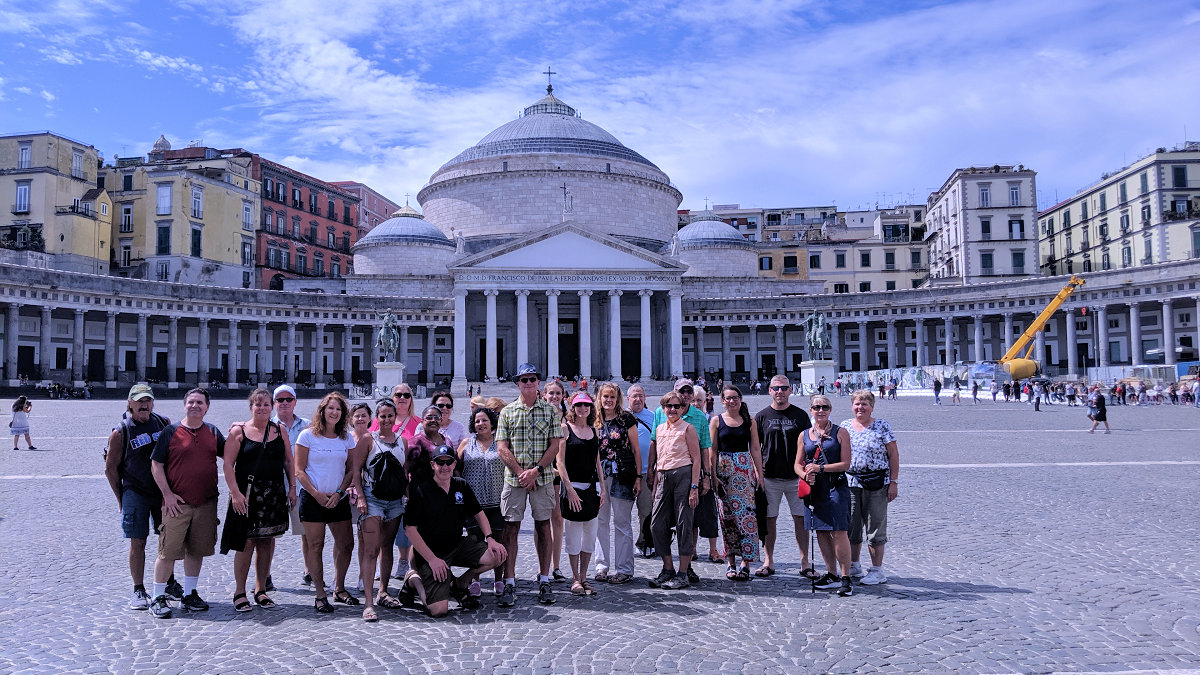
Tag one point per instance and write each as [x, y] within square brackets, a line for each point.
[791, 264]
[1048, 226]
[247, 254]
[864, 287]
[1083, 240]
[22, 205]
[163, 243]
[985, 196]
[302, 263]
[1179, 176]
[296, 228]
[841, 288]
[330, 211]
[346, 241]
[164, 271]
[1069, 250]
[319, 267]
[1066, 217]
[312, 203]
[127, 217]
[1052, 249]
[864, 258]
[335, 269]
[1104, 228]
[267, 223]
[127, 182]
[891, 285]
[196, 242]
[1087, 264]
[245, 280]
[1018, 262]
[247, 216]
[25, 155]
[332, 239]
[346, 214]
[1124, 225]
[915, 259]
[1070, 266]
[297, 202]
[312, 233]
[986, 264]
[1145, 214]
[77, 164]
[1145, 182]
[889, 260]
[126, 253]
[765, 263]
[1122, 195]
[1103, 202]
[103, 209]
[1126, 256]
[985, 229]
[197, 203]
[1016, 229]
[1014, 195]
[1083, 211]
[839, 259]
[814, 261]
[1105, 262]
[164, 200]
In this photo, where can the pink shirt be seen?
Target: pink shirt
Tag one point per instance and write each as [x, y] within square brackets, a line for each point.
[406, 432]
[672, 447]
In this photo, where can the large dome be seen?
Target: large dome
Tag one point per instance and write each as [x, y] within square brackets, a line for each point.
[549, 126]
[405, 226]
[707, 229]
[403, 244]
[711, 247]
[545, 167]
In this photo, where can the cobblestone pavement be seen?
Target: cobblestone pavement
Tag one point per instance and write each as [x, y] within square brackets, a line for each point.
[1019, 543]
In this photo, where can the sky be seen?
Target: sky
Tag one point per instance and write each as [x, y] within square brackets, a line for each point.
[762, 103]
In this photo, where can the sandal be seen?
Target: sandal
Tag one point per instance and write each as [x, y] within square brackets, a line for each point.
[343, 596]
[731, 573]
[718, 558]
[369, 615]
[589, 588]
[621, 578]
[602, 575]
[263, 600]
[810, 574]
[241, 604]
[322, 606]
[743, 574]
[578, 589]
[764, 571]
[387, 601]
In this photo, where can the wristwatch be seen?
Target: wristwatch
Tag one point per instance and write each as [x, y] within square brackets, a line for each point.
[695, 487]
[492, 536]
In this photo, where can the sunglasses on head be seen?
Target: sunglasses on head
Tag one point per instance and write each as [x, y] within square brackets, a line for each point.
[686, 390]
[402, 394]
[284, 399]
[822, 407]
[446, 406]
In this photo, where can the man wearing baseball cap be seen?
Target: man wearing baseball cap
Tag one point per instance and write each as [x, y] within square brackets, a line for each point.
[127, 467]
[287, 419]
[528, 437]
[434, 518]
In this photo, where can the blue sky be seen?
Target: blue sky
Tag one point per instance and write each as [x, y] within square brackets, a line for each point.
[763, 102]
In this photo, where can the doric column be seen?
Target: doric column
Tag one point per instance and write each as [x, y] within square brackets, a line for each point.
[978, 324]
[347, 363]
[921, 351]
[202, 354]
[647, 366]
[172, 348]
[781, 351]
[235, 348]
[45, 358]
[865, 355]
[726, 355]
[614, 334]
[1007, 339]
[1072, 352]
[585, 333]
[430, 343]
[551, 335]
[402, 357]
[265, 368]
[522, 327]
[289, 366]
[110, 349]
[1135, 335]
[1102, 335]
[835, 344]
[318, 356]
[143, 353]
[892, 347]
[459, 379]
[489, 296]
[1039, 352]
[10, 342]
[949, 340]
[676, 340]
[753, 335]
[1168, 333]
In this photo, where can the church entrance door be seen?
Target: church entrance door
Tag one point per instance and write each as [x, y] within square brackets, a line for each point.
[568, 347]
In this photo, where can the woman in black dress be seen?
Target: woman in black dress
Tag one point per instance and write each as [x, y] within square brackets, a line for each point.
[258, 460]
[1097, 411]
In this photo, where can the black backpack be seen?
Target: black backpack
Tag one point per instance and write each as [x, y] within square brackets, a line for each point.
[388, 479]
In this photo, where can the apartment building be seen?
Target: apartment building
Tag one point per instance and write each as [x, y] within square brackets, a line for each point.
[373, 208]
[875, 250]
[57, 218]
[1143, 214]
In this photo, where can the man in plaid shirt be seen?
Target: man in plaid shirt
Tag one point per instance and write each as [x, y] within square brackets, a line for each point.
[528, 437]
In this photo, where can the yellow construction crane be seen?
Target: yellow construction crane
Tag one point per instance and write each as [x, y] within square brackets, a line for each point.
[1021, 367]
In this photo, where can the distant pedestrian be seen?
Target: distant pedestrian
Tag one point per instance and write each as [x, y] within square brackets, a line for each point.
[20, 421]
[995, 388]
[975, 392]
[937, 391]
[1097, 412]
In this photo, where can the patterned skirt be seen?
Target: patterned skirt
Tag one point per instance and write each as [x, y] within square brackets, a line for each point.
[739, 521]
[267, 510]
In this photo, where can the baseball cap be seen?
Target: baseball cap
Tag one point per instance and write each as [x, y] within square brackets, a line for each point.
[683, 382]
[581, 397]
[284, 389]
[140, 391]
[444, 451]
[528, 369]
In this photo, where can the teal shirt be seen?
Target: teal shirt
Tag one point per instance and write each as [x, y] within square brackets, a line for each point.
[694, 417]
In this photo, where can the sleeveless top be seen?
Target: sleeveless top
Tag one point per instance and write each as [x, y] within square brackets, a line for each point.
[483, 470]
[831, 453]
[581, 456]
[733, 439]
[263, 460]
[378, 445]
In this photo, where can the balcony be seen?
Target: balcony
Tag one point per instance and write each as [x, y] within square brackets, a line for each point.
[1190, 214]
[77, 210]
[79, 173]
[1019, 270]
[20, 208]
[987, 271]
[791, 270]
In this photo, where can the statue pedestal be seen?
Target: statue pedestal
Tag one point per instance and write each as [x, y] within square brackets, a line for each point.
[388, 374]
[811, 372]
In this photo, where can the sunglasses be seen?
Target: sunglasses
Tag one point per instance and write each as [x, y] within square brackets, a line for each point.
[780, 387]
[402, 394]
[686, 390]
[732, 398]
[446, 406]
[444, 462]
[822, 407]
[673, 406]
[285, 399]
[526, 380]
[434, 418]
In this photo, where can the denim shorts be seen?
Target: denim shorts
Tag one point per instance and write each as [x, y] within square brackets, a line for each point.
[386, 509]
[137, 511]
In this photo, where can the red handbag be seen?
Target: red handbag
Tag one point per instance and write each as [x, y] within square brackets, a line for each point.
[803, 488]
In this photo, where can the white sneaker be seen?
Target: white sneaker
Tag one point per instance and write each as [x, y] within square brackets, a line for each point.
[856, 570]
[140, 600]
[874, 576]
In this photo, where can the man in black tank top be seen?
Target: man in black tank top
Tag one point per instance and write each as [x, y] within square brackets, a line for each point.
[127, 467]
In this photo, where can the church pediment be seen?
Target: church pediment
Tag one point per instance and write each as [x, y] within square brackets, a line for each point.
[567, 248]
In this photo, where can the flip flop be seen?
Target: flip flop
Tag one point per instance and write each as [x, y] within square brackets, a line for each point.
[764, 571]
[810, 574]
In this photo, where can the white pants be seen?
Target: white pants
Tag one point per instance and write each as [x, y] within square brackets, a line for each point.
[615, 514]
[579, 537]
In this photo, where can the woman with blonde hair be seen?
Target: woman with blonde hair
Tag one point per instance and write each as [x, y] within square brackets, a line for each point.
[583, 491]
[621, 459]
[822, 462]
[555, 393]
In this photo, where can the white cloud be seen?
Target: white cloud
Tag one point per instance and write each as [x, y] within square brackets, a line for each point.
[60, 55]
[47, 96]
[23, 90]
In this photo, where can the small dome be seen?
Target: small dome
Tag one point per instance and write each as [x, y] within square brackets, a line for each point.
[707, 229]
[405, 226]
[162, 144]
